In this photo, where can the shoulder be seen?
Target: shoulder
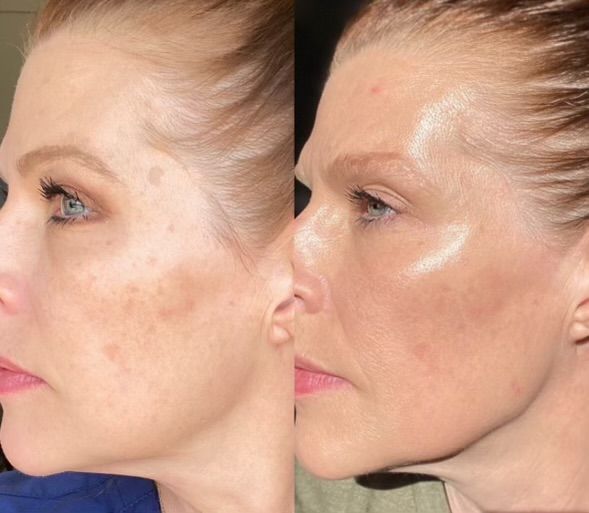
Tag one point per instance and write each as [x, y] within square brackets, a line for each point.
[72, 492]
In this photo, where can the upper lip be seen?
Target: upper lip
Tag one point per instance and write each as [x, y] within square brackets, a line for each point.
[308, 365]
[5, 363]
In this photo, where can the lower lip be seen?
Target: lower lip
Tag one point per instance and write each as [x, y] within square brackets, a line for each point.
[309, 383]
[14, 382]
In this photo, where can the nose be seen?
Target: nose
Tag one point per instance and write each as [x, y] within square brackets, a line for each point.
[15, 252]
[311, 288]
[309, 292]
[12, 294]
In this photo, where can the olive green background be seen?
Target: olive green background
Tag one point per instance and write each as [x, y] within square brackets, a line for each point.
[379, 493]
[15, 15]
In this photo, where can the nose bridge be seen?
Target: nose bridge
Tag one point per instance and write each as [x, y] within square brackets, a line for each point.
[311, 285]
[307, 240]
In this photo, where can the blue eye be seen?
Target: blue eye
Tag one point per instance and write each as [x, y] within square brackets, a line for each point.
[376, 208]
[72, 208]
[3, 192]
[370, 206]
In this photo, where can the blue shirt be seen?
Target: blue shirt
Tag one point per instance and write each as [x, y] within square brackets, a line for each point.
[75, 492]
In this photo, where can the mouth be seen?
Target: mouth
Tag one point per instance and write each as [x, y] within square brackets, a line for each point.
[14, 379]
[311, 379]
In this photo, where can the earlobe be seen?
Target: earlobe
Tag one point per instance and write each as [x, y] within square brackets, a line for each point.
[282, 324]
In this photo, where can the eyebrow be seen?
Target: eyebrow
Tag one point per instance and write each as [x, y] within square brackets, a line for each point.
[28, 162]
[355, 165]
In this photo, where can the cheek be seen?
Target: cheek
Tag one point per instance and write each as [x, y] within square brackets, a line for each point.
[121, 318]
[139, 320]
[473, 312]
[426, 344]
[146, 339]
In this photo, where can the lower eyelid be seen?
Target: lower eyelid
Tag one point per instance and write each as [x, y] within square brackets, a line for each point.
[375, 223]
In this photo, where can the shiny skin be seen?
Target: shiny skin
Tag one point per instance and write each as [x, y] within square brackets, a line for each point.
[446, 315]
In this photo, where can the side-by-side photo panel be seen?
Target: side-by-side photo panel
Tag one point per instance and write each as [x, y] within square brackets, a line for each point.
[146, 212]
[319, 27]
[441, 256]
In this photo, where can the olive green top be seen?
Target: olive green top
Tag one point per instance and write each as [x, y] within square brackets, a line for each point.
[411, 496]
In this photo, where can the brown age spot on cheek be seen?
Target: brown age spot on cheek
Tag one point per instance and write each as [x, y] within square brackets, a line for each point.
[131, 304]
[158, 303]
[155, 176]
[426, 355]
[177, 292]
[442, 322]
[113, 353]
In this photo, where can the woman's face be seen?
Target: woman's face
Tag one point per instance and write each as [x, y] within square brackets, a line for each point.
[116, 292]
[418, 279]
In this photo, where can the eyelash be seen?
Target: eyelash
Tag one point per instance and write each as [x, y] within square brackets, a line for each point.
[361, 198]
[50, 190]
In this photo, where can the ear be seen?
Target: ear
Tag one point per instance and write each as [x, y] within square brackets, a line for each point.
[578, 328]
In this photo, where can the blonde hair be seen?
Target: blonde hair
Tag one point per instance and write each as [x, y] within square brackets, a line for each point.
[224, 78]
[533, 56]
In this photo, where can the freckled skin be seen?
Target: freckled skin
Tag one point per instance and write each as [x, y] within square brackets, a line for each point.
[124, 317]
[432, 316]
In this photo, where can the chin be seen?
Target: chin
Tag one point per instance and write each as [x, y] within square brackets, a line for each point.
[322, 469]
[29, 462]
[341, 458]
[30, 453]
[331, 460]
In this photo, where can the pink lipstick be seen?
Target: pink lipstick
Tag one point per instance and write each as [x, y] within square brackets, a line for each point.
[310, 379]
[14, 379]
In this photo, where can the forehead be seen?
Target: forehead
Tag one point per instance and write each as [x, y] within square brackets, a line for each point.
[73, 91]
[379, 101]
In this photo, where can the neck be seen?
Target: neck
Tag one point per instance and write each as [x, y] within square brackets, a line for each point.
[244, 463]
[537, 462]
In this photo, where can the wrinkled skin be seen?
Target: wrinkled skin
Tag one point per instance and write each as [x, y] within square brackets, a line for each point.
[443, 311]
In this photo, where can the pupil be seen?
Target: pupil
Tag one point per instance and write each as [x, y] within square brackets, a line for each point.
[72, 206]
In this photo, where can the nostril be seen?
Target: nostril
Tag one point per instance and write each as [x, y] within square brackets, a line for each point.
[299, 304]
[311, 292]
[12, 294]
